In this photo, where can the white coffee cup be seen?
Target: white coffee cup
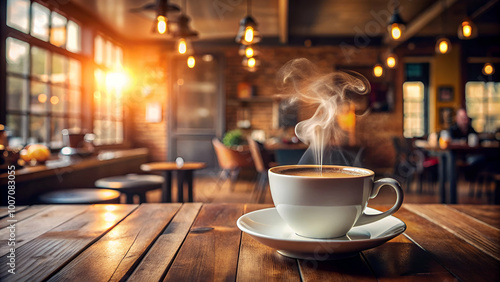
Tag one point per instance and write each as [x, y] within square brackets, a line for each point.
[327, 205]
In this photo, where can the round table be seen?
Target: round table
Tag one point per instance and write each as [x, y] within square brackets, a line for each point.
[184, 175]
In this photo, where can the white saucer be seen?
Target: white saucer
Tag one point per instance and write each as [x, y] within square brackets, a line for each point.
[267, 227]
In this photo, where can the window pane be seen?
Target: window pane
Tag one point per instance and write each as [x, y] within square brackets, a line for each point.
[58, 68]
[74, 102]
[58, 99]
[75, 73]
[119, 132]
[18, 14]
[15, 124]
[38, 129]
[74, 43]
[39, 59]
[118, 57]
[39, 97]
[56, 126]
[40, 22]
[17, 56]
[58, 29]
[99, 50]
[109, 54]
[17, 94]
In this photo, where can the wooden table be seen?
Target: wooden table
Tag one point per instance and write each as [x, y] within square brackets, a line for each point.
[201, 242]
[447, 175]
[184, 175]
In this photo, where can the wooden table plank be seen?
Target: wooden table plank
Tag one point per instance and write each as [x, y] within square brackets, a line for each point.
[38, 224]
[348, 269]
[489, 214]
[39, 258]
[23, 214]
[400, 257]
[4, 210]
[114, 255]
[258, 262]
[210, 251]
[159, 258]
[477, 233]
[455, 254]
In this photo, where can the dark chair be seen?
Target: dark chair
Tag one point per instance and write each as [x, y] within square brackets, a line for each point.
[231, 162]
[131, 184]
[262, 160]
[81, 196]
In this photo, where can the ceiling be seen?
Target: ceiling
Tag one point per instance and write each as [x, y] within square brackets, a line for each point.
[292, 19]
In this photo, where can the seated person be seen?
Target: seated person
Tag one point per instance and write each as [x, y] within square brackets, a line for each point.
[462, 126]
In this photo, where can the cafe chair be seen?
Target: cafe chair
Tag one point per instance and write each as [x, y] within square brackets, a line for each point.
[81, 196]
[131, 184]
[231, 162]
[262, 160]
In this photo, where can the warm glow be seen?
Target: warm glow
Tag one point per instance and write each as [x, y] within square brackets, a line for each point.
[395, 31]
[249, 52]
[182, 48]
[110, 208]
[109, 216]
[249, 34]
[162, 24]
[42, 98]
[391, 61]
[488, 69]
[466, 29]
[116, 80]
[378, 71]
[191, 62]
[251, 62]
[443, 47]
[54, 100]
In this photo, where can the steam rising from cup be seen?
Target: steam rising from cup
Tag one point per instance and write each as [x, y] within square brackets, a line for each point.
[300, 80]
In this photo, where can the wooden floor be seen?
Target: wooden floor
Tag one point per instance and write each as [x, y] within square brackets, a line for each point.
[207, 191]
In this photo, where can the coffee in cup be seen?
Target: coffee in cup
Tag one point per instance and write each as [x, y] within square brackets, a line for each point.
[327, 201]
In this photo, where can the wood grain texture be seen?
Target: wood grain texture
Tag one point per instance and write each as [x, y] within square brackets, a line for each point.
[210, 251]
[475, 232]
[159, 258]
[455, 254]
[40, 257]
[258, 262]
[23, 214]
[4, 210]
[112, 257]
[42, 222]
[400, 257]
[488, 214]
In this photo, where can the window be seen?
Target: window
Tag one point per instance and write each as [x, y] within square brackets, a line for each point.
[413, 109]
[43, 86]
[483, 105]
[109, 80]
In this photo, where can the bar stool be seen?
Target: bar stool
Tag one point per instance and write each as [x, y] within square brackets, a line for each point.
[81, 196]
[131, 184]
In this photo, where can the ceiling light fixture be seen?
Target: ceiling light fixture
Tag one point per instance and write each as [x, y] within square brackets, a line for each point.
[488, 69]
[467, 29]
[191, 62]
[396, 25]
[443, 44]
[391, 60]
[251, 63]
[248, 33]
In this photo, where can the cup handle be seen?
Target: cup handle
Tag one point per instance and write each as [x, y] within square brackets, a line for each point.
[369, 218]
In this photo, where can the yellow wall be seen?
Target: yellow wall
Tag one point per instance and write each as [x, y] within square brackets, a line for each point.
[445, 71]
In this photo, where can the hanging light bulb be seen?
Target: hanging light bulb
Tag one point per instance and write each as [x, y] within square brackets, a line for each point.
[488, 69]
[390, 60]
[248, 33]
[191, 62]
[161, 24]
[467, 30]
[443, 46]
[378, 70]
[248, 51]
[396, 25]
[182, 46]
[251, 63]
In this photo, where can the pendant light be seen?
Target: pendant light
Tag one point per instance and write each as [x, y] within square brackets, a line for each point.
[248, 51]
[183, 32]
[161, 21]
[248, 33]
[396, 25]
[191, 62]
[391, 59]
[467, 29]
[378, 69]
[488, 69]
[443, 44]
[251, 63]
